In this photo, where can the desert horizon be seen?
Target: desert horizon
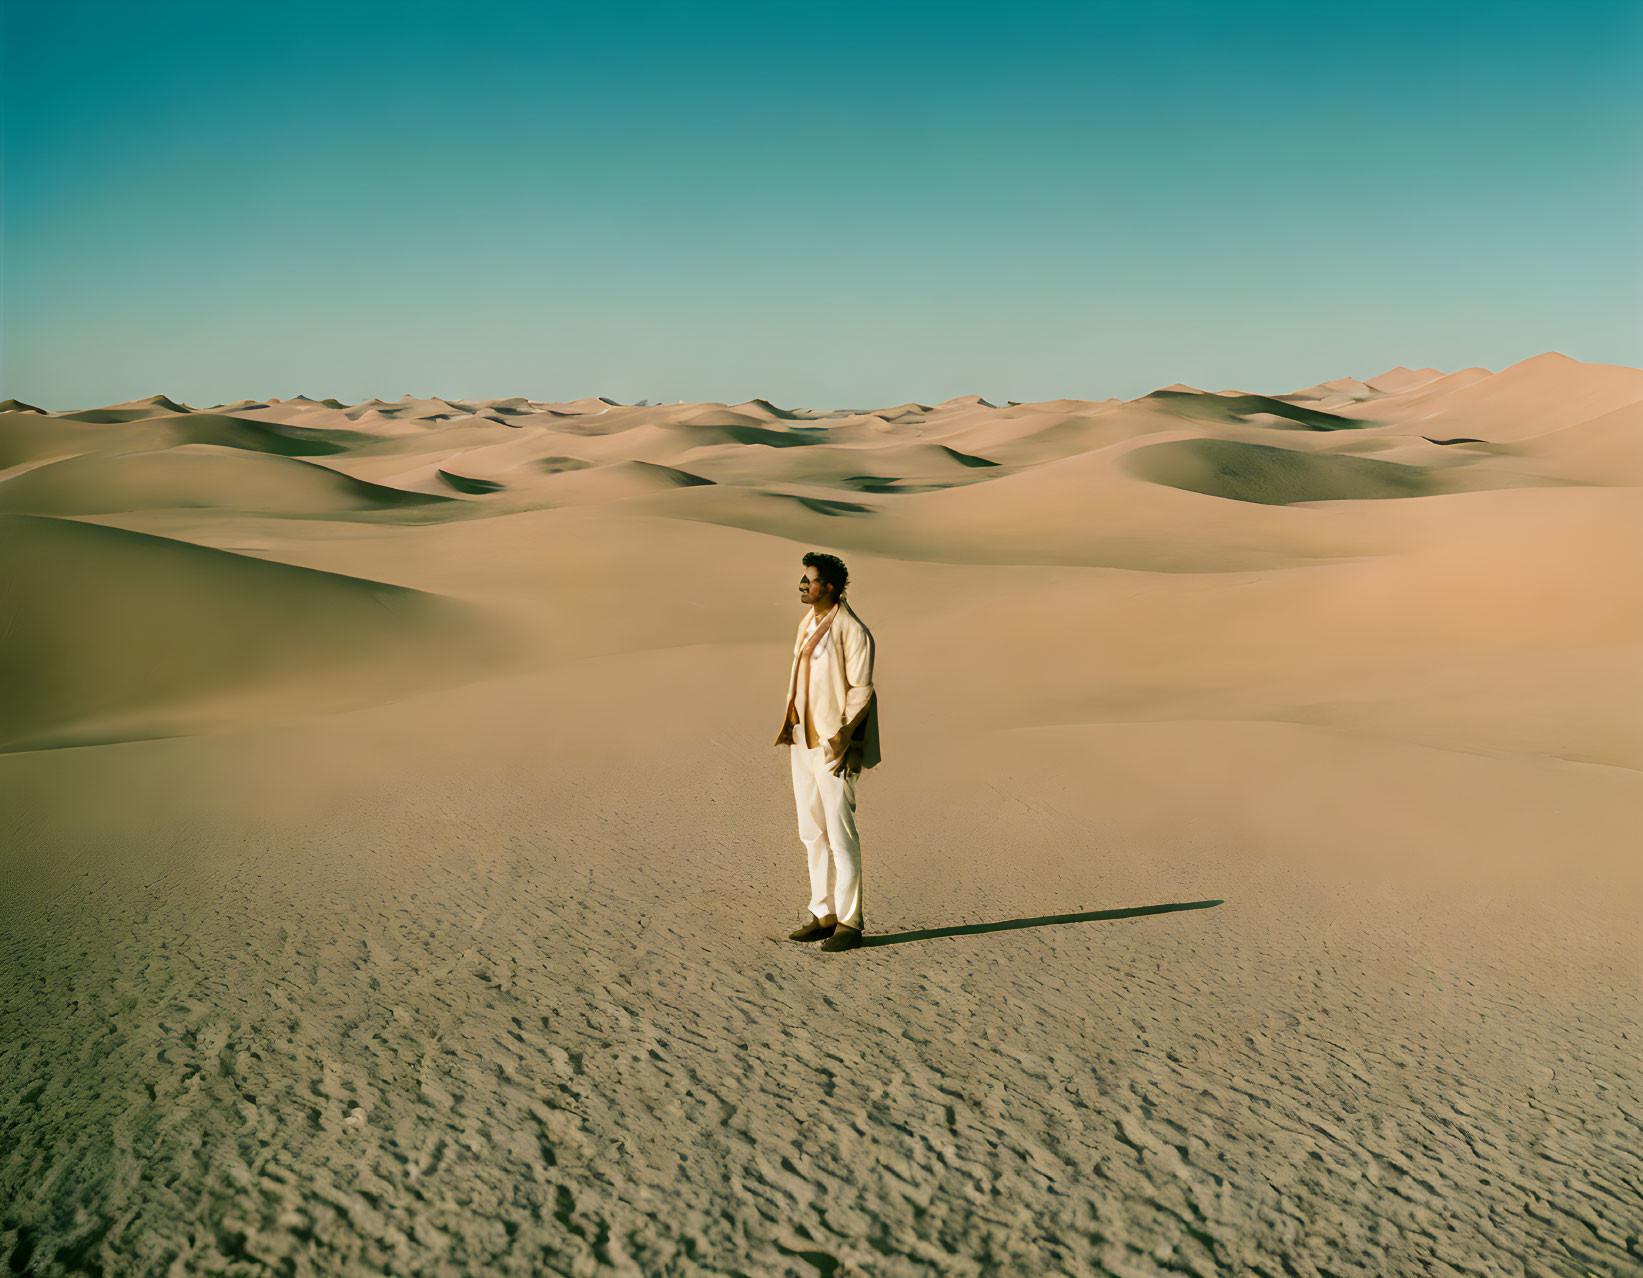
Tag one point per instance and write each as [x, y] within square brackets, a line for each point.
[398, 867]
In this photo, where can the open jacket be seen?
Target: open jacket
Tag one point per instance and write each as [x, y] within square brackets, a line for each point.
[844, 709]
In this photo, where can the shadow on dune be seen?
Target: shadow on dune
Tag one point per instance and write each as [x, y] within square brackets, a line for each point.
[1042, 920]
[1271, 476]
[708, 431]
[469, 484]
[1232, 409]
[890, 484]
[821, 505]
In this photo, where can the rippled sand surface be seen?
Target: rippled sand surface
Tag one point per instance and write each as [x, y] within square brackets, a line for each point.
[396, 867]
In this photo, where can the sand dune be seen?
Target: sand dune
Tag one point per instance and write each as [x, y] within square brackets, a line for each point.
[910, 467]
[196, 475]
[764, 408]
[1530, 397]
[511, 406]
[722, 426]
[1335, 393]
[1336, 386]
[1397, 380]
[26, 438]
[130, 410]
[1196, 406]
[1281, 476]
[1601, 450]
[1038, 438]
[157, 401]
[114, 635]
[1275, 476]
[396, 864]
[530, 473]
[1417, 401]
[615, 482]
[473, 485]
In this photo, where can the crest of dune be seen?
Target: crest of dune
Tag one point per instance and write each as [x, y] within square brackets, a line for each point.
[157, 401]
[1531, 397]
[615, 482]
[763, 409]
[510, 407]
[1396, 380]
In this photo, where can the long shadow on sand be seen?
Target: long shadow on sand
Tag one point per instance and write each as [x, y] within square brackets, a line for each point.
[1042, 920]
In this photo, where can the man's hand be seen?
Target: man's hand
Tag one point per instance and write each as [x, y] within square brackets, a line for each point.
[849, 762]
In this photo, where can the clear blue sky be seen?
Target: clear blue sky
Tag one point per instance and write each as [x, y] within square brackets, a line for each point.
[826, 204]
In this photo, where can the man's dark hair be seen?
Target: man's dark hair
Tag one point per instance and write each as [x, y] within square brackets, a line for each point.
[831, 570]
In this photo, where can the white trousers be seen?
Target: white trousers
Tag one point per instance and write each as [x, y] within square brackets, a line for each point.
[827, 826]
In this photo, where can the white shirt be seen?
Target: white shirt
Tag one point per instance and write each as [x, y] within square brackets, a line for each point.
[820, 655]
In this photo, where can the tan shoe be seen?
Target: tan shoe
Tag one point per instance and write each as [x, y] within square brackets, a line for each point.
[816, 929]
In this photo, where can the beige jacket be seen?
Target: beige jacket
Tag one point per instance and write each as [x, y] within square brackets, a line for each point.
[844, 710]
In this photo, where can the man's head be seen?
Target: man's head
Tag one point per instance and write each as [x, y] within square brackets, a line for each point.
[824, 581]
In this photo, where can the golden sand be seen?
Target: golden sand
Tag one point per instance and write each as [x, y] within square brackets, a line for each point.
[395, 861]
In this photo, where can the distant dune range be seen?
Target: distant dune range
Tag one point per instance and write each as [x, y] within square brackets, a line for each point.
[396, 861]
[1171, 482]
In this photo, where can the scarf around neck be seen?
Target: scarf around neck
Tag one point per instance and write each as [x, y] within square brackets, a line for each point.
[801, 670]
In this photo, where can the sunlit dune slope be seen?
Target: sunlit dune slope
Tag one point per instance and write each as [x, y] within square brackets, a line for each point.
[112, 634]
[197, 475]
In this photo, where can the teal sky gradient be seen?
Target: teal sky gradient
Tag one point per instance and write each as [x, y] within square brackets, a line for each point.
[846, 204]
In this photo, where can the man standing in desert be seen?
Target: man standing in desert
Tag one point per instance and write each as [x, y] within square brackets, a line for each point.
[831, 731]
